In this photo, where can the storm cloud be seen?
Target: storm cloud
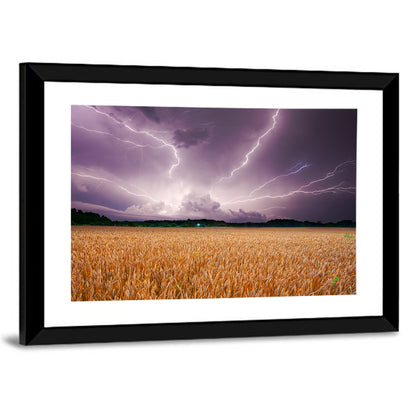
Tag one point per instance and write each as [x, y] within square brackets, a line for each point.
[190, 137]
[232, 164]
[200, 205]
[150, 113]
[243, 216]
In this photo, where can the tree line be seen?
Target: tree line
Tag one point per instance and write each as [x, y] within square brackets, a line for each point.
[79, 217]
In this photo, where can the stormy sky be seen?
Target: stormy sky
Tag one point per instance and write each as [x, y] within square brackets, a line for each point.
[237, 165]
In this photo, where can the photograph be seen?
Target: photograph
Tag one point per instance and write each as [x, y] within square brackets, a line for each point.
[196, 203]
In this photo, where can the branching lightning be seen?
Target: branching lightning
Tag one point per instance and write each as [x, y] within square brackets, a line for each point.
[298, 169]
[147, 133]
[332, 189]
[329, 174]
[115, 184]
[280, 176]
[252, 150]
[123, 140]
[301, 189]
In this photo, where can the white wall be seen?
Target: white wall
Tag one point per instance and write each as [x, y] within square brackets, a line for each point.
[323, 375]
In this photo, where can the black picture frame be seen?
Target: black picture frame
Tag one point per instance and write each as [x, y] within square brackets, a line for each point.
[32, 79]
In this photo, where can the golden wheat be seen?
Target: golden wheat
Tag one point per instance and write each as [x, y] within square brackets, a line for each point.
[117, 263]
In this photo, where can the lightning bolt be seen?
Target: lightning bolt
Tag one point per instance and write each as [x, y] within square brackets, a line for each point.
[278, 177]
[252, 150]
[301, 190]
[332, 189]
[329, 174]
[115, 184]
[145, 132]
[120, 139]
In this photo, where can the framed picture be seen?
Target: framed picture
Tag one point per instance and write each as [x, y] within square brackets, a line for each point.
[176, 203]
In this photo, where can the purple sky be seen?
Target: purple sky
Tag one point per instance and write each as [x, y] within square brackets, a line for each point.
[140, 163]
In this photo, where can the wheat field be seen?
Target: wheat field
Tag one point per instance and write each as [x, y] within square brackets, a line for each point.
[120, 263]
